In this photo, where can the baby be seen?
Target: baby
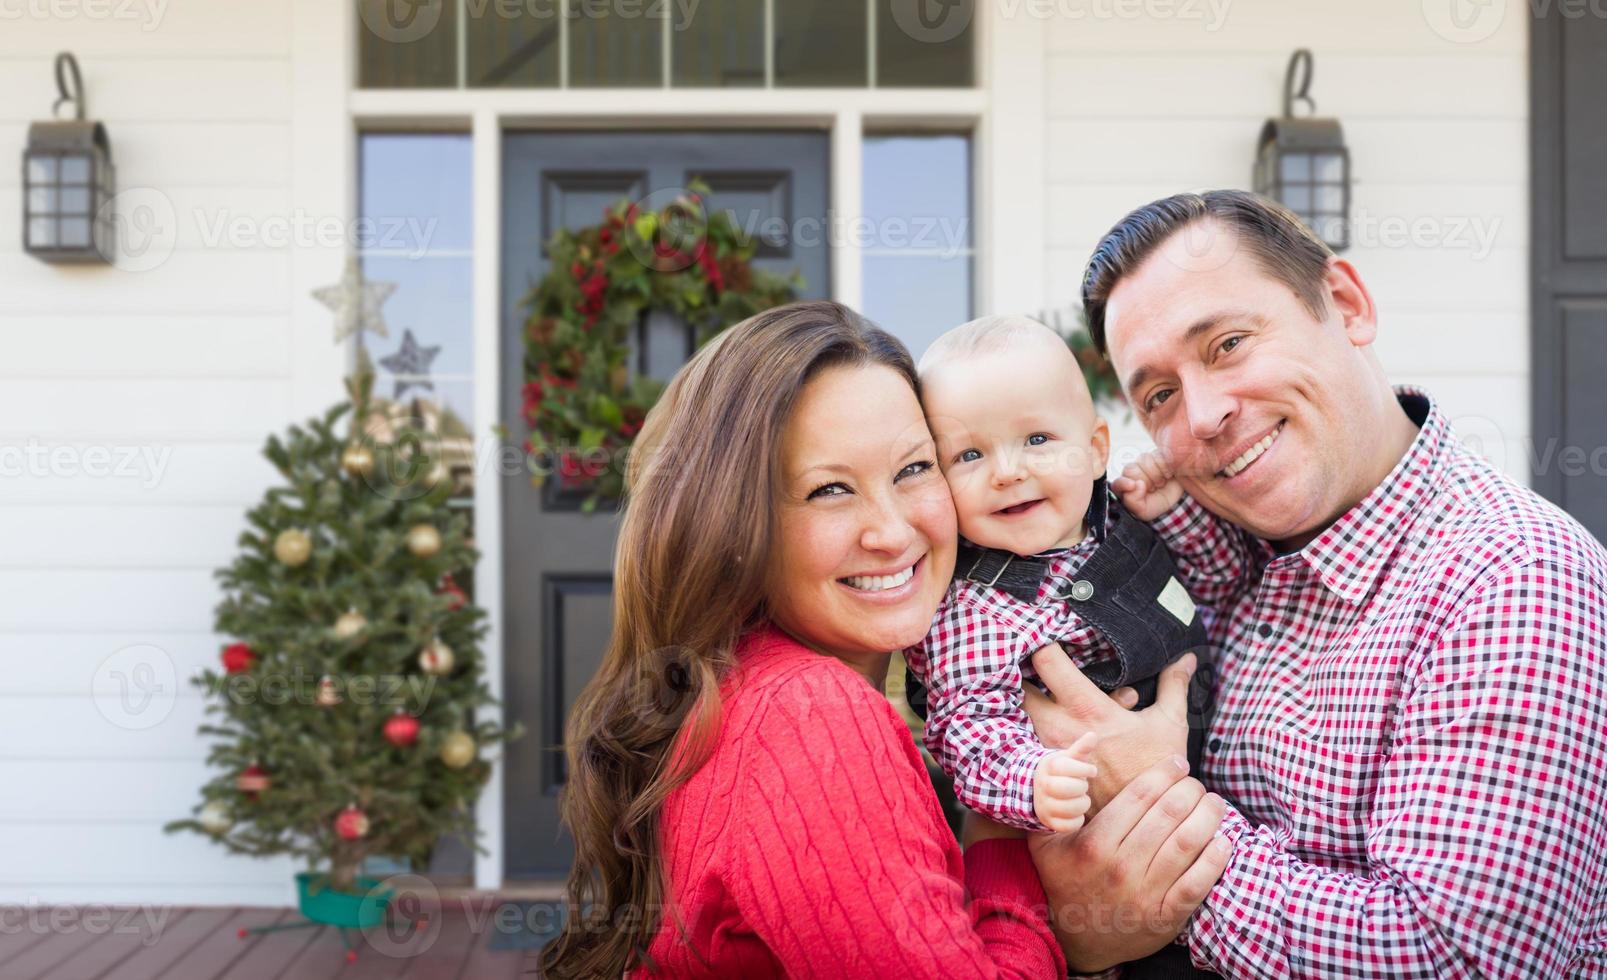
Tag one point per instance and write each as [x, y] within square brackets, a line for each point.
[1046, 556]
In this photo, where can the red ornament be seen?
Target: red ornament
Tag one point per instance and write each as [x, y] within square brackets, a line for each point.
[253, 780]
[351, 823]
[238, 657]
[449, 587]
[401, 730]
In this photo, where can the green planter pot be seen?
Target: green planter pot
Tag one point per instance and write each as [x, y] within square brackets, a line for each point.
[321, 903]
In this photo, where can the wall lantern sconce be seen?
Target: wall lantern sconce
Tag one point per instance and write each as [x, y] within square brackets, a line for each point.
[1303, 163]
[68, 180]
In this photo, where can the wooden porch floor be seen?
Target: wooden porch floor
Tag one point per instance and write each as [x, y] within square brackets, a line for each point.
[120, 943]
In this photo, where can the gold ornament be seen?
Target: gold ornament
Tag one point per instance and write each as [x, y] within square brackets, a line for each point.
[292, 546]
[358, 460]
[437, 474]
[328, 694]
[458, 750]
[350, 623]
[436, 658]
[215, 818]
[423, 540]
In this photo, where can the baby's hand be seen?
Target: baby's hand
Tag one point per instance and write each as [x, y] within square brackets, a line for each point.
[1148, 487]
[1060, 787]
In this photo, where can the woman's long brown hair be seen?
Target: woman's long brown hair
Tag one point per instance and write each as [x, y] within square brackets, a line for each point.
[689, 576]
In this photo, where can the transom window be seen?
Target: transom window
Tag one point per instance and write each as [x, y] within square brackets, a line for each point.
[665, 44]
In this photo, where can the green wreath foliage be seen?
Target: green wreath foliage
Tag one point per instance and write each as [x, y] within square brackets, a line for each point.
[583, 399]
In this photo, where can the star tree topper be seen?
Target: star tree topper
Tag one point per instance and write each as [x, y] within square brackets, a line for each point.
[356, 303]
[411, 365]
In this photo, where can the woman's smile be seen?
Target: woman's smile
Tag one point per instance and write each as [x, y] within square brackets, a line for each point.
[889, 587]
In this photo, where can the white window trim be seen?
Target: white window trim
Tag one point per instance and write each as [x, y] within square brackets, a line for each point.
[1004, 114]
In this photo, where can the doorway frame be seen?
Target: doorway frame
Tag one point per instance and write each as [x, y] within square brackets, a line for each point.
[1004, 114]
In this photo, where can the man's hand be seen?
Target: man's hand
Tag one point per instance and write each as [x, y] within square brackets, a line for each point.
[1127, 884]
[1148, 487]
[1130, 741]
[1060, 786]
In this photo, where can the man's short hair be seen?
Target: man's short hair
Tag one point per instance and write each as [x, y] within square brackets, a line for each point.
[1286, 249]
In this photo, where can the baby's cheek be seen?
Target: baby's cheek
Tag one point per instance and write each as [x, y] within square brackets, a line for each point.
[931, 511]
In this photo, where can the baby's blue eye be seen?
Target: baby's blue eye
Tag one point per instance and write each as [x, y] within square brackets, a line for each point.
[967, 455]
[1037, 439]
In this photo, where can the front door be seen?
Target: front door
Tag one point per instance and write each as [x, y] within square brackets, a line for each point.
[557, 560]
[1569, 243]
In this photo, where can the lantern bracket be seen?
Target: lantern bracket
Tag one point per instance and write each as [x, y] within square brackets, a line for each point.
[1299, 61]
[67, 67]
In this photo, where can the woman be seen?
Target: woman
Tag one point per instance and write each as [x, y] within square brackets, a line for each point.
[743, 799]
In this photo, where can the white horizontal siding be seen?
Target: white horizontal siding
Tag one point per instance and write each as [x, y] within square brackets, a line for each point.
[215, 282]
[144, 399]
[112, 600]
[144, 32]
[1362, 27]
[174, 345]
[129, 860]
[180, 155]
[1140, 107]
[191, 473]
[119, 537]
[158, 88]
[79, 664]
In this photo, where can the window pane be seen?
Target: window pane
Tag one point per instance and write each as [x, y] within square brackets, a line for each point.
[917, 297]
[918, 179]
[722, 45]
[74, 231]
[416, 192]
[42, 232]
[74, 170]
[415, 201]
[615, 45]
[432, 299]
[407, 45]
[42, 200]
[924, 43]
[41, 169]
[513, 45]
[918, 260]
[820, 43]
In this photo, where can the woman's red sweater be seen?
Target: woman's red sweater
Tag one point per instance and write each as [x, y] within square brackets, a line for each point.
[811, 844]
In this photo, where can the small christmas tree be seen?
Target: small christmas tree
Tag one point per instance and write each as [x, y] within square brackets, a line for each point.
[349, 700]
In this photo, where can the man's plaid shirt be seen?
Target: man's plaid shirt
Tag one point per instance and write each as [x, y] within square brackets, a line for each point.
[973, 662]
[1410, 731]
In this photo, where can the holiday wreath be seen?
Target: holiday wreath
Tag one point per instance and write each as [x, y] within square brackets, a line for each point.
[584, 401]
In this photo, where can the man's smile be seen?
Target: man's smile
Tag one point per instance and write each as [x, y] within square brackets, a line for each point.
[1246, 456]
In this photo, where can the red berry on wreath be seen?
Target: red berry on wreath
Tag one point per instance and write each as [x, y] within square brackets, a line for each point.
[401, 729]
[238, 657]
[351, 823]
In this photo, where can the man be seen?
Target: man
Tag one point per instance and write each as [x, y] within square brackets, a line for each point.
[1410, 712]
